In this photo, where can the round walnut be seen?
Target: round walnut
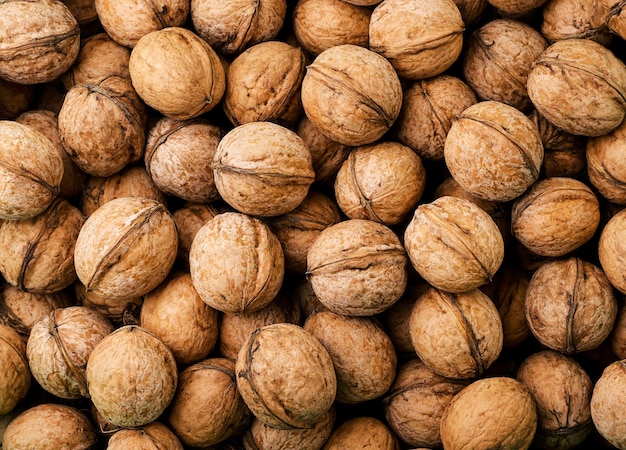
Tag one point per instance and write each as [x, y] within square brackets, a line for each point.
[352, 94]
[456, 335]
[154, 436]
[230, 27]
[37, 255]
[59, 346]
[85, 13]
[189, 218]
[575, 19]
[177, 73]
[119, 311]
[132, 377]
[362, 432]
[207, 408]
[454, 244]
[501, 409]
[428, 109]
[611, 250]
[357, 267]
[16, 375]
[493, 151]
[416, 401]
[262, 169]
[471, 10]
[605, 164]
[579, 86]
[516, 7]
[555, 216]
[570, 306]
[15, 98]
[38, 40]
[617, 338]
[420, 39]
[561, 390]
[286, 376]
[175, 313]
[607, 407]
[126, 248]
[31, 170]
[381, 182]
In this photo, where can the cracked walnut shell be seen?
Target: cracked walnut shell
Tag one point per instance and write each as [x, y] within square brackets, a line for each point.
[16, 376]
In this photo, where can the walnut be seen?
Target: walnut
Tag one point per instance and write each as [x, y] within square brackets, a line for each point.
[514, 7]
[575, 19]
[611, 249]
[606, 406]
[362, 432]
[605, 165]
[153, 436]
[16, 376]
[189, 218]
[15, 98]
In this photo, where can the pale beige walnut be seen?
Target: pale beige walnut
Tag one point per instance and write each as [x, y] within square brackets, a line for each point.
[154, 436]
[456, 335]
[471, 10]
[362, 432]
[175, 313]
[561, 390]
[416, 401]
[126, 248]
[178, 158]
[516, 7]
[50, 426]
[555, 216]
[262, 169]
[420, 39]
[127, 21]
[428, 109]
[207, 408]
[616, 20]
[131, 376]
[189, 218]
[607, 405]
[362, 353]
[103, 125]
[31, 170]
[570, 306]
[59, 346]
[119, 311]
[236, 263]
[605, 164]
[233, 26]
[611, 250]
[454, 244]
[38, 40]
[493, 151]
[579, 86]
[15, 98]
[500, 412]
[357, 267]
[576, 19]
[177, 73]
[381, 182]
[352, 94]
[37, 255]
[16, 376]
[286, 376]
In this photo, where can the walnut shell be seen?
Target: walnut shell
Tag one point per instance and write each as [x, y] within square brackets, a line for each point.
[303, 295]
[15, 98]
[16, 376]
[500, 407]
[154, 436]
[131, 376]
[514, 7]
[493, 151]
[357, 267]
[352, 94]
[38, 40]
[177, 73]
[570, 306]
[84, 11]
[616, 20]
[605, 164]
[119, 311]
[471, 10]
[607, 407]
[126, 248]
[611, 249]
[362, 432]
[575, 19]
[286, 376]
[189, 218]
[579, 86]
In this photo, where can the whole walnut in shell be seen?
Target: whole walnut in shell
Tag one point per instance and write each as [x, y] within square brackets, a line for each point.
[575, 19]
[154, 436]
[605, 164]
[471, 10]
[611, 249]
[362, 432]
[16, 376]
[607, 407]
[189, 218]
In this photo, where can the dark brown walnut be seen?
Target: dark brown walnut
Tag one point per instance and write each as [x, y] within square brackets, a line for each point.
[454, 244]
[420, 39]
[414, 404]
[177, 73]
[262, 169]
[616, 20]
[38, 40]
[362, 353]
[286, 376]
[555, 216]
[428, 109]
[617, 338]
[561, 390]
[126, 248]
[16, 376]
[175, 313]
[357, 267]
[493, 151]
[31, 170]
[127, 21]
[605, 165]
[231, 27]
[351, 94]
[607, 407]
[456, 335]
[38, 254]
[103, 125]
[471, 10]
[381, 182]
[131, 376]
[57, 426]
[501, 408]
[119, 311]
[50, 96]
[570, 306]
[207, 408]
[576, 19]
[302, 294]
[15, 98]
[516, 8]
[59, 346]
[84, 11]
[362, 432]
[189, 218]
[154, 436]
[611, 249]
[579, 86]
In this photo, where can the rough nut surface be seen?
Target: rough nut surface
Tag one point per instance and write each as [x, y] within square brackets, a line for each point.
[153, 436]
[607, 407]
[611, 251]
[605, 164]
[362, 432]
[16, 376]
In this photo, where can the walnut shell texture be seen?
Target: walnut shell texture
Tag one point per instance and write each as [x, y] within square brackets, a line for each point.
[16, 376]
[611, 249]
[153, 436]
[606, 406]
[362, 432]
[605, 164]
[189, 218]
[575, 19]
